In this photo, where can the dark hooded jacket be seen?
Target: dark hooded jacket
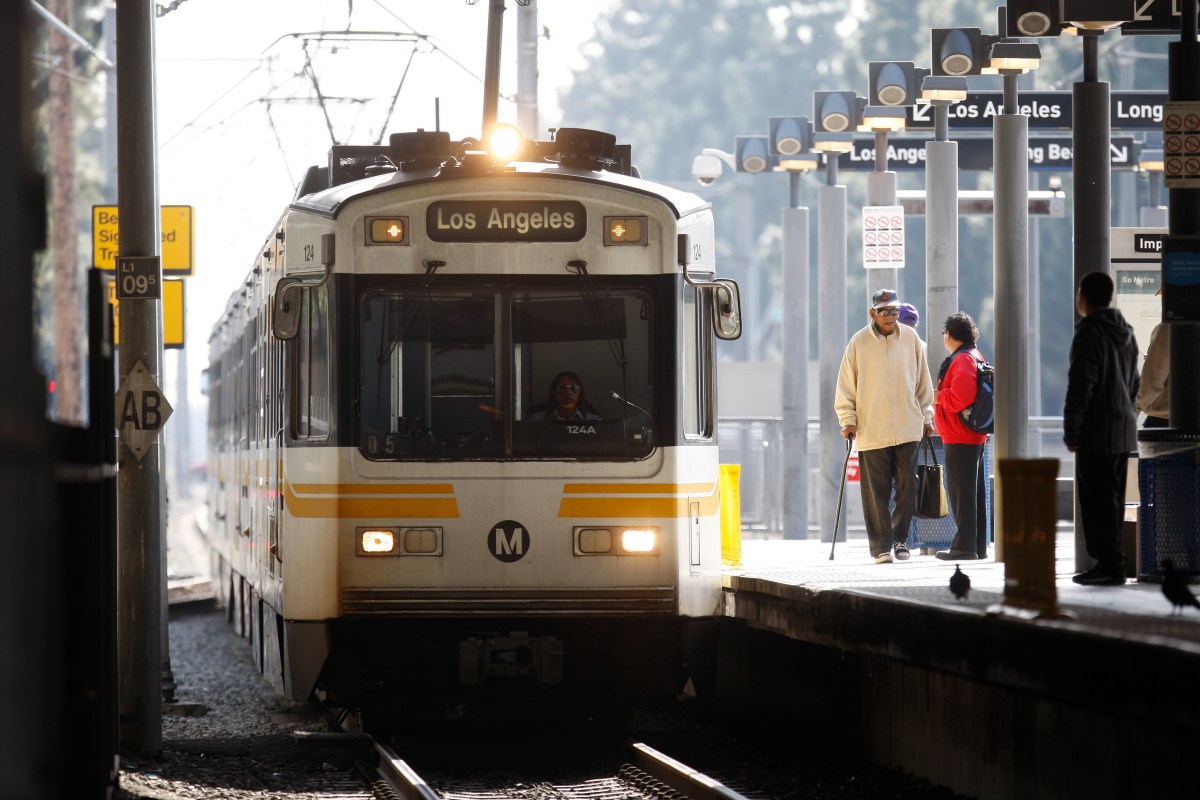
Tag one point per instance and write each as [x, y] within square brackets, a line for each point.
[1100, 414]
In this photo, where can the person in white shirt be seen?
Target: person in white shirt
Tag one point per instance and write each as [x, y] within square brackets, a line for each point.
[884, 402]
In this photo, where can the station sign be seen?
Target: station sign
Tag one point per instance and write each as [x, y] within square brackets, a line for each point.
[883, 237]
[1136, 258]
[172, 311]
[178, 229]
[1154, 17]
[907, 153]
[141, 410]
[1181, 145]
[1127, 111]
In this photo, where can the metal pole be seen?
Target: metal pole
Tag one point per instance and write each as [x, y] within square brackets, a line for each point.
[831, 336]
[527, 69]
[881, 191]
[1092, 170]
[795, 367]
[1011, 218]
[32, 730]
[941, 230]
[1184, 212]
[491, 75]
[140, 512]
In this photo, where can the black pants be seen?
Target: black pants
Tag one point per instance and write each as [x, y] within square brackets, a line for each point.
[1100, 481]
[880, 471]
[966, 474]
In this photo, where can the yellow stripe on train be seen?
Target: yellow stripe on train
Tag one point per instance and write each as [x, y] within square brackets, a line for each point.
[344, 501]
[616, 505]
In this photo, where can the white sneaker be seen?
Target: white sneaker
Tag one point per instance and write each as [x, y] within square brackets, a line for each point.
[884, 558]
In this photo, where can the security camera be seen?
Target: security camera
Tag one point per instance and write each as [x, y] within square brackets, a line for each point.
[706, 169]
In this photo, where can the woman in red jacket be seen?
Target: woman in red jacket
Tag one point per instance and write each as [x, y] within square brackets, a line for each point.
[965, 467]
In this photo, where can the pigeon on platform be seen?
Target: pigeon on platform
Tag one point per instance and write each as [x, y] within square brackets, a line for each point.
[960, 584]
[1175, 588]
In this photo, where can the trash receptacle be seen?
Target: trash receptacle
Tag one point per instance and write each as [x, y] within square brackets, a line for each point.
[731, 515]
[1169, 487]
[1027, 520]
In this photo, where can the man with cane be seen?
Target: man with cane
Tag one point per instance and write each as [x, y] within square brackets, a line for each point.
[884, 402]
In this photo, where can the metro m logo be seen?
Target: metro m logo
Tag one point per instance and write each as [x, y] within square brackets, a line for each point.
[508, 541]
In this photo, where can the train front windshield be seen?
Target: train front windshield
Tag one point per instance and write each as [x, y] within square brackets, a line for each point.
[506, 373]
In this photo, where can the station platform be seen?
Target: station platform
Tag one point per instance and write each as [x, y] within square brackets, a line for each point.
[1095, 699]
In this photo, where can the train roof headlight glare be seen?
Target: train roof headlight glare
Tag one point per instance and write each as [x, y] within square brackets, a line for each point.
[504, 141]
[639, 540]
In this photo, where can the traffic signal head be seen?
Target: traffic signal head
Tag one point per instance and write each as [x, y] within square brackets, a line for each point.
[752, 154]
[957, 51]
[790, 135]
[835, 112]
[893, 83]
[1033, 18]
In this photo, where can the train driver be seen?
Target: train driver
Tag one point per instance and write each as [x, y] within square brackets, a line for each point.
[567, 401]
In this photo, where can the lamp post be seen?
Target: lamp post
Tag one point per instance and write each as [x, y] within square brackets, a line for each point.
[835, 115]
[1010, 154]
[893, 85]
[789, 147]
[941, 204]
[793, 146]
[956, 53]
[1155, 214]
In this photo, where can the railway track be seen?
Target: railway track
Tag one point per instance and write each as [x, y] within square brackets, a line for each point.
[648, 775]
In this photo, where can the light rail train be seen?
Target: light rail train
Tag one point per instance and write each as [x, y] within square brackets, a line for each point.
[397, 514]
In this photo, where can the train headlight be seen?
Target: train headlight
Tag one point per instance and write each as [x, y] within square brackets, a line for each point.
[639, 540]
[504, 142]
[376, 541]
[379, 541]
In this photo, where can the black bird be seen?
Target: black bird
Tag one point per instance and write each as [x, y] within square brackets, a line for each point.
[960, 584]
[1175, 588]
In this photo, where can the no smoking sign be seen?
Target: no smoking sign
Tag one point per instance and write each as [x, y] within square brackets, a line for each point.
[1181, 145]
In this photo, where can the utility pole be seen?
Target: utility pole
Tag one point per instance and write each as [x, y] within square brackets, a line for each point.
[140, 513]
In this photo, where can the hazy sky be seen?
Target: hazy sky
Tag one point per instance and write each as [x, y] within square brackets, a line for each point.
[238, 122]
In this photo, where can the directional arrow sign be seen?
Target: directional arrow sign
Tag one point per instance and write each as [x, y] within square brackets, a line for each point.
[1161, 17]
[1128, 110]
[141, 411]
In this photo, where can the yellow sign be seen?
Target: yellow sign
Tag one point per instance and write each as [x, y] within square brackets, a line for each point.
[178, 254]
[172, 305]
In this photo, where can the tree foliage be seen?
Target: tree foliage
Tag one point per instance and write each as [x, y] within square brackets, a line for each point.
[671, 77]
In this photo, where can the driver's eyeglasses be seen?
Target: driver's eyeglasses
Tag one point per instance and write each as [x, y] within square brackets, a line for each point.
[887, 312]
[573, 388]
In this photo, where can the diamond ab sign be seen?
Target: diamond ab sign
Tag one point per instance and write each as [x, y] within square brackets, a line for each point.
[142, 411]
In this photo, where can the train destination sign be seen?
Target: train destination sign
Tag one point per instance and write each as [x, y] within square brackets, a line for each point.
[506, 221]
[1127, 111]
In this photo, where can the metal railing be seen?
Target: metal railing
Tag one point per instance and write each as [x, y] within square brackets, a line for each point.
[756, 443]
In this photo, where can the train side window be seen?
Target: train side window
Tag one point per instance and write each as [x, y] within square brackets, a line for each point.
[312, 400]
[696, 365]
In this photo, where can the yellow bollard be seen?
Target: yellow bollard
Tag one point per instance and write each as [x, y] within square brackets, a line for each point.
[1026, 519]
[731, 515]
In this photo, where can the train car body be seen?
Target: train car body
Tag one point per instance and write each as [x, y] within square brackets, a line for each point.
[395, 516]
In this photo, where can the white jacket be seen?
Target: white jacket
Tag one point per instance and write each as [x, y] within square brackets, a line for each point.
[884, 388]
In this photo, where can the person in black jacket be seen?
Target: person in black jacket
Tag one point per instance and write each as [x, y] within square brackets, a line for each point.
[1100, 423]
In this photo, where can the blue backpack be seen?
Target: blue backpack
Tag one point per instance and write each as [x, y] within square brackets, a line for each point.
[980, 416]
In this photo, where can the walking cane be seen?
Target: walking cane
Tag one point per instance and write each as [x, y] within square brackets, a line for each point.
[837, 518]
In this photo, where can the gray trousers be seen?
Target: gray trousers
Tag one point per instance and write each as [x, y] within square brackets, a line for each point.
[881, 471]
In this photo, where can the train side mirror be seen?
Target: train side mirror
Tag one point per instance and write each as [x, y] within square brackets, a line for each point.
[285, 310]
[727, 309]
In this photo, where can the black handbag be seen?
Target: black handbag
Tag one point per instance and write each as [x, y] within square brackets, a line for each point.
[931, 489]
